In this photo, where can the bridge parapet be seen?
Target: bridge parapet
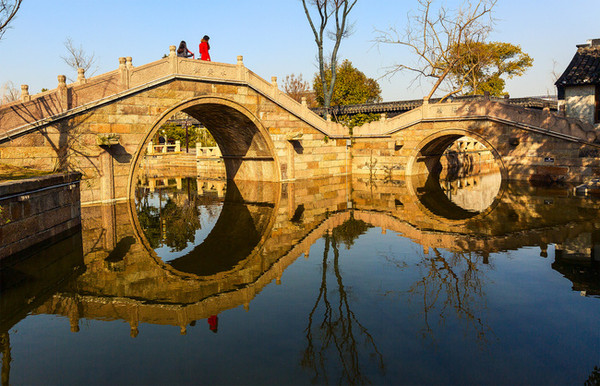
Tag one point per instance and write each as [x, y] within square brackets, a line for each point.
[39, 110]
[541, 121]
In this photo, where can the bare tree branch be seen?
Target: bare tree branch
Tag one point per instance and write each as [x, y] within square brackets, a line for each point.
[8, 10]
[8, 93]
[325, 9]
[77, 58]
[438, 37]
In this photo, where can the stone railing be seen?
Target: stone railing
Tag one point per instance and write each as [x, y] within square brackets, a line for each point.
[164, 148]
[35, 111]
[541, 121]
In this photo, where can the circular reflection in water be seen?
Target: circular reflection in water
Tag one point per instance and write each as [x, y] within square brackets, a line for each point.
[458, 198]
[209, 228]
[474, 194]
[178, 214]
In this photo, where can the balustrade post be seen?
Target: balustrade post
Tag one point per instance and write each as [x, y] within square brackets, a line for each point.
[123, 73]
[425, 107]
[240, 68]
[81, 76]
[177, 146]
[25, 97]
[150, 148]
[62, 92]
[173, 59]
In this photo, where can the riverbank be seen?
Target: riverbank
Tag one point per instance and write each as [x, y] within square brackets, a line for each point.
[37, 210]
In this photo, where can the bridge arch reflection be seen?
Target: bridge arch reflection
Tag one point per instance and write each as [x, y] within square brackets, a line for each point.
[432, 182]
[124, 279]
[234, 244]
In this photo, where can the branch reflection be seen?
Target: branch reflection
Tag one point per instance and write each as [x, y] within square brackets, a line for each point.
[338, 335]
[453, 283]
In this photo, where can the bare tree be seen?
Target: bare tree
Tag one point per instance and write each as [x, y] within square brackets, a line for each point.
[8, 93]
[77, 58]
[296, 88]
[327, 9]
[440, 38]
[8, 10]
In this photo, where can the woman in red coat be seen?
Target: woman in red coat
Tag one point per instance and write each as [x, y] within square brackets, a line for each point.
[204, 47]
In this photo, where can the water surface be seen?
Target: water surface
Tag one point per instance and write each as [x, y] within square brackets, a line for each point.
[323, 282]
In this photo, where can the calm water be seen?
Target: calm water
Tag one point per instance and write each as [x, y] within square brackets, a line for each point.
[323, 282]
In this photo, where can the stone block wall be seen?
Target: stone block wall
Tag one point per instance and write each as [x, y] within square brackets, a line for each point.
[37, 210]
[523, 154]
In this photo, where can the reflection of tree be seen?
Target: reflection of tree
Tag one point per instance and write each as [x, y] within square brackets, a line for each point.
[452, 283]
[149, 218]
[170, 224]
[6, 357]
[339, 334]
[594, 378]
[349, 231]
[180, 224]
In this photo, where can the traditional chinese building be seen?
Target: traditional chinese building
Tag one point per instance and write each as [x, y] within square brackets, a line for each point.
[579, 86]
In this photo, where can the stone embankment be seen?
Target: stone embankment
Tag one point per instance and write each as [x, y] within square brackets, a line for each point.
[37, 211]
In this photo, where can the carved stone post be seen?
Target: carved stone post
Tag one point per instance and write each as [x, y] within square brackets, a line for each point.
[81, 76]
[62, 92]
[173, 59]
[25, 97]
[241, 73]
[123, 73]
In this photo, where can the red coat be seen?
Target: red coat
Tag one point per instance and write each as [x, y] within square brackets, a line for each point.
[204, 47]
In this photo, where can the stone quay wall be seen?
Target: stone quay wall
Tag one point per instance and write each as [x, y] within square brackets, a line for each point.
[37, 211]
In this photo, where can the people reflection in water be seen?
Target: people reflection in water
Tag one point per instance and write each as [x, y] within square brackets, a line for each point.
[213, 323]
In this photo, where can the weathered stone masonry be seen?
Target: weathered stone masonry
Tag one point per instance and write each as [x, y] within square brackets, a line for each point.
[101, 127]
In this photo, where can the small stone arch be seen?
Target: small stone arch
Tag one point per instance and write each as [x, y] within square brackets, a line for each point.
[247, 148]
[429, 150]
[420, 167]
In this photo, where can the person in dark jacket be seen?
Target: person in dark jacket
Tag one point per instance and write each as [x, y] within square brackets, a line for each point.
[204, 47]
[183, 51]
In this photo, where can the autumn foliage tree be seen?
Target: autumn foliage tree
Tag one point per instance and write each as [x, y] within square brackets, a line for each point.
[482, 66]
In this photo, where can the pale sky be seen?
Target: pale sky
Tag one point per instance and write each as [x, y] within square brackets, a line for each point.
[273, 36]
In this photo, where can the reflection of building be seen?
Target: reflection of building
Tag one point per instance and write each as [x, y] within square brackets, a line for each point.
[579, 85]
[578, 259]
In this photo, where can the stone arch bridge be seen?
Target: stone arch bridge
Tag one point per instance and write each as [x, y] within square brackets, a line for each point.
[101, 126]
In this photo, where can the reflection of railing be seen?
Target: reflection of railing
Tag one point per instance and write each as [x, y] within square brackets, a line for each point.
[164, 148]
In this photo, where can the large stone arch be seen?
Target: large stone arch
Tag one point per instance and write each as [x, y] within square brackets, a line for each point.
[247, 148]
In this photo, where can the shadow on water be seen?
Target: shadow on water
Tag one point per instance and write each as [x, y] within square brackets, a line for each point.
[29, 282]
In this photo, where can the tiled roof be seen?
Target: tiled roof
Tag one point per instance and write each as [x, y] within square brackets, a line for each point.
[584, 68]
